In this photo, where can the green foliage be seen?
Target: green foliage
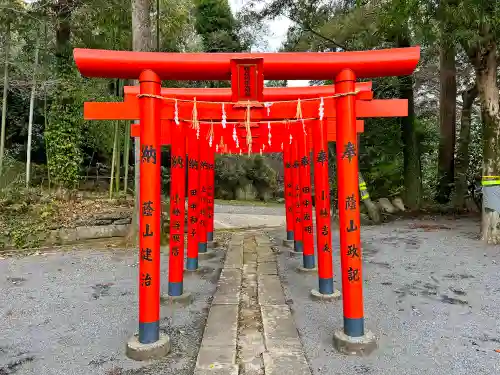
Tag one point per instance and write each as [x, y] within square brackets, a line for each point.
[64, 136]
[238, 172]
[24, 218]
[217, 26]
[230, 174]
[262, 176]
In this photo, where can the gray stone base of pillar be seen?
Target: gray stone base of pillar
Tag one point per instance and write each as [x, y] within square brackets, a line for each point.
[288, 243]
[207, 255]
[307, 270]
[360, 346]
[144, 352]
[184, 299]
[317, 296]
[212, 244]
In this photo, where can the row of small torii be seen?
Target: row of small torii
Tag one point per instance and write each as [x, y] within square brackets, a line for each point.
[193, 147]
[198, 123]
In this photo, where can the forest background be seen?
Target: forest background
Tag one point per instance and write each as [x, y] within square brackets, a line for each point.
[429, 158]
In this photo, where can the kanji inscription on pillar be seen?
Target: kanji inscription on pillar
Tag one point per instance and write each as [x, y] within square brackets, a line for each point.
[349, 151]
[148, 154]
[146, 254]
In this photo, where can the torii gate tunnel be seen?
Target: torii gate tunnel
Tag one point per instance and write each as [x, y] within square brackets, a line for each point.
[249, 118]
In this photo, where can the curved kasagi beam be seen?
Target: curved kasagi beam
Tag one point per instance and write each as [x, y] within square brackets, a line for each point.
[271, 94]
[217, 66]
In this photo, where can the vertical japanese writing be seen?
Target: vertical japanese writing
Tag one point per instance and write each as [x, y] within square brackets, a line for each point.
[146, 254]
[353, 274]
[349, 151]
[177, 161]
[147, 208]
[350, 202]
[352, 227]
[148, 232]
[322, 158]
[148, 154]
[146, 279]
[352, 251]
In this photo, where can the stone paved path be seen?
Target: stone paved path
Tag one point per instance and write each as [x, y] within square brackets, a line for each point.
[250, 329]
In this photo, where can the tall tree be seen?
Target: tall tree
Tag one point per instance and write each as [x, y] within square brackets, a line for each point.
[447, 105]
[478, 31]
[462, 160]
[4, 97]
[218, 29]
[217, 26]
[141, 41]
[31, 110]
[409, 134]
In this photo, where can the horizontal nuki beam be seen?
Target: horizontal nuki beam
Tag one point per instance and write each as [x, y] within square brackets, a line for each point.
[278, 111]
[270, 94]
[280, 133]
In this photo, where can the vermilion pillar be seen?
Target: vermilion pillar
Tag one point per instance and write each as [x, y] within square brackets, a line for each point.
[305, 197]
[203, 178]
[150, 201]
[177, 210]
[288, 190]
[193, 193]
[296, 194]
[210, 193]
[348, 202]
[322, 205]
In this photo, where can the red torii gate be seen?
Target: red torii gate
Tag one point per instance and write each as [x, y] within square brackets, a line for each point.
[246, 72]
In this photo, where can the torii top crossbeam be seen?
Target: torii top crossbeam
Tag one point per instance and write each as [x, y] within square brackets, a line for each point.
[217, 66]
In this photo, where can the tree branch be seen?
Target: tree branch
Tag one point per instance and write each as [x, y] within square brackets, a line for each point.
[319, 35]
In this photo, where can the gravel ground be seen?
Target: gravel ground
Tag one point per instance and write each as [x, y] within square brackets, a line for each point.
[72, 313]
[432, 292]
[250, 210]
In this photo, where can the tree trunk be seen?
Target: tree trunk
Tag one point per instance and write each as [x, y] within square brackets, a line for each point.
[118, 159]
[30, 121]
[4, 99]
[113, 160]
[411, 150]
[486, 76]
[462, 160]
[63, 10]
[126, 152]
[141, 41]
[447, 119]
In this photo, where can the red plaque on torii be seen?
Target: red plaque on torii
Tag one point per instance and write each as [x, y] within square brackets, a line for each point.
[247, 81]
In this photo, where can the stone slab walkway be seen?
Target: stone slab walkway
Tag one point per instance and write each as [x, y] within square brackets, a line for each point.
[250, 329]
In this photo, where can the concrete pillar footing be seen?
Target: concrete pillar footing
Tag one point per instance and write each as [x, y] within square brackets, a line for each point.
[317, 296]
[184, 299]
[359, 346]
[144, 352]
[302, 269]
